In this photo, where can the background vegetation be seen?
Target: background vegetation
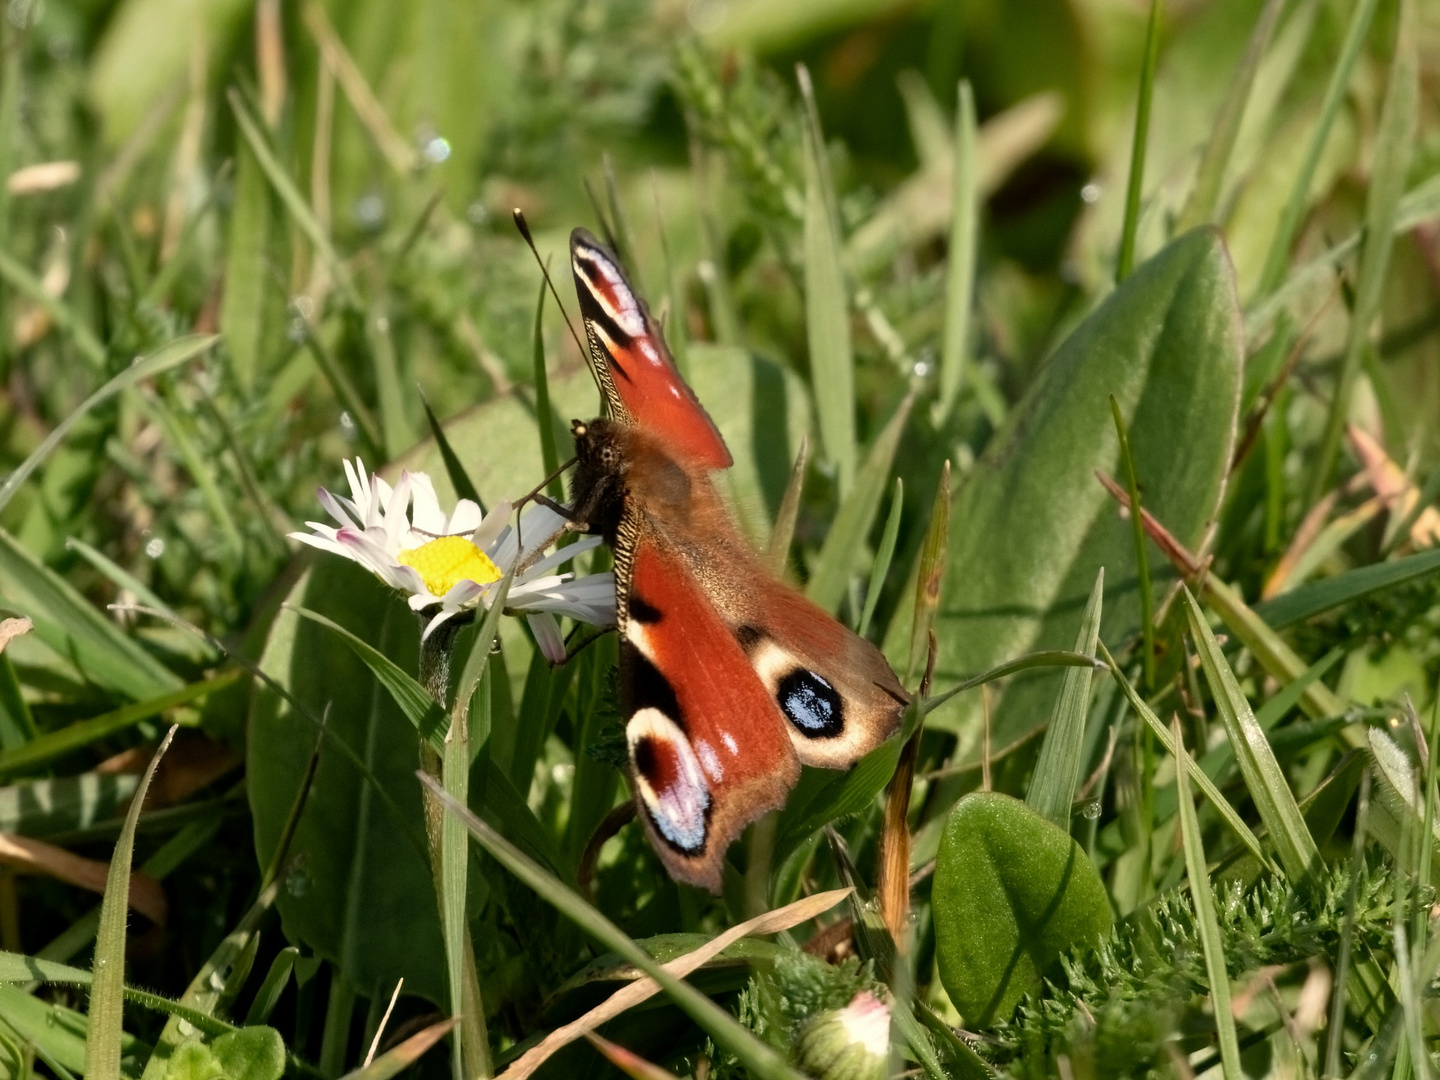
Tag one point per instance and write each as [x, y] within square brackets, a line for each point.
[1192, 247]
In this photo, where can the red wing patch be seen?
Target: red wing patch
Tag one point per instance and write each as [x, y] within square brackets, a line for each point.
[636, 373]
[709, 750]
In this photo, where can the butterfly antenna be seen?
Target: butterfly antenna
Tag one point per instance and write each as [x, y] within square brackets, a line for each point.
[524, 227]
[534, 495]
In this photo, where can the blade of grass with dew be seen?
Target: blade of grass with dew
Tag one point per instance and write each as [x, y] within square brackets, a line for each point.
[1314, 598]
[178, 352]
[961, 259]
[1125, 261]
[930, 573]
[1278, 257]
[51, 745]
[399, 1058]
[782, 533]
[1204, 198]
[1264, 778]
[1206, 923]
[884, 554]
[454, 468]
[843, 544]
[1057, 770]
[1203, 782]
[1390, 164]
[107, 992]
[827, 307]
[544, 413]
[1142, 560]
[761, 1060]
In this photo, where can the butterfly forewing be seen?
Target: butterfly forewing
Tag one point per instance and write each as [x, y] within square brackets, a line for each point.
[636, 373]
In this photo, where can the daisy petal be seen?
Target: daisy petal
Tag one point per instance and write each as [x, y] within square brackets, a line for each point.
[547, 636]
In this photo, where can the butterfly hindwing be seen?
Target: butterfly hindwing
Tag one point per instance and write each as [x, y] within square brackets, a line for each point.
[636, 373]
[838, 695]
[709, 750]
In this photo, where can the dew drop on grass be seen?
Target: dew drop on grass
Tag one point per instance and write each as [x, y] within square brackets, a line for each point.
[155, 547]
[437, 150]
[347, 424]
[1090, 810]
[298, 883]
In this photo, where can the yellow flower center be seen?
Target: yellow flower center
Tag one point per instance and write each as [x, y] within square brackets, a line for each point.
[448, 560]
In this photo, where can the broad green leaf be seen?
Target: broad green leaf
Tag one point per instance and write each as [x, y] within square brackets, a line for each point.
[827, 304]
[107, 990]
[363, 897]
[1264, 778]
[1057, 771]
[840, 553]
[1013, 893]
[1033, 525]
[1205, 922]
[1315, 597]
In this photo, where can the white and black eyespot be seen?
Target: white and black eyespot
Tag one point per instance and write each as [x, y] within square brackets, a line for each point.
[811, 704]
[669, 780]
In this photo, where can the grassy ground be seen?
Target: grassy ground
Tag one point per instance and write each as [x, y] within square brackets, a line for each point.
[990, 273]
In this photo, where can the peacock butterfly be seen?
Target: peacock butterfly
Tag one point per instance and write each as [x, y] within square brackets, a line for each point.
[730, 679]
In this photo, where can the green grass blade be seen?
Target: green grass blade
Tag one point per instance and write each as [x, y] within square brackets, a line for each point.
[1390, 164]
[1057, 770]
[934, 553]
[960, 267]
[294, 202]
[761, 1060]
[176, 427]
[107, 991]
[1205, 921]
[164, 359]
[1278, 256]
[846, 539]
[883, 557]
[1142, 558]
[827, 307]
[1125, 262]
[1203, 782]
[454, 467]
[1264, 778]
[1042, 658]
[390, 398]
[1314, 598]
[782, 533]
[1204, 198]
[242, 310]
[346, 393]
[472, 1054]
[276, 979]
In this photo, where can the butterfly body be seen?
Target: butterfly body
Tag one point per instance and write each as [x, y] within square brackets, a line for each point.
[730, 679]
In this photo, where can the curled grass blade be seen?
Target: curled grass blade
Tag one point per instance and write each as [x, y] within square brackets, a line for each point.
[1057, 771]
[1203, 782]
[107, 991]
[1264, 778]
[960, 266]
[758, 1058]
[1394, 145]
[1205, 921]
[170, 356]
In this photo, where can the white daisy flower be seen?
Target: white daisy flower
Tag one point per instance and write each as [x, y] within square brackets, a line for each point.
[402, 536]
